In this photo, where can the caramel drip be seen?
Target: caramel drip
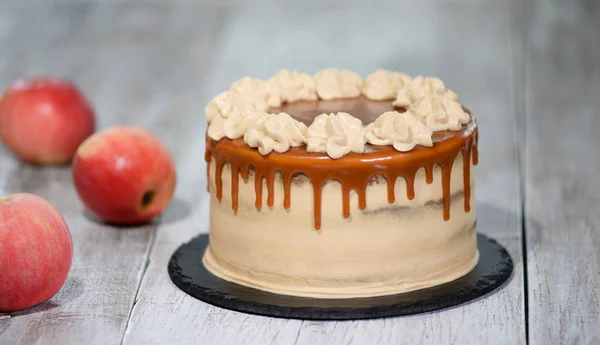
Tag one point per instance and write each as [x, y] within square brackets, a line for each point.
[429, 174]
[475, 150]
[317, 189]
[466, 158]
[287, 190]
[345, 201]
[258, 184]
[235, 186]
[219, 177]
[391, 183]
[362, 198]
[270, 177]
[245, 172]
[446, 168]
[410, 185]
[353, 171]
[207, 156]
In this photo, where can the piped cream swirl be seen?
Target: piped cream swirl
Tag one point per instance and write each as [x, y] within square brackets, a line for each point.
[334, 83]
[263, 94]
[294, 86]
[274, 132]
[241, 111]
[420, 87]
[440, 113]
[384, 84]
[230, 109]
[336, 134]
[215, 106]
[401, 130]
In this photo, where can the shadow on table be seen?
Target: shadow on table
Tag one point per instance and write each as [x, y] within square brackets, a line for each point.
[177, 210]
[71, 290]
[501, 225]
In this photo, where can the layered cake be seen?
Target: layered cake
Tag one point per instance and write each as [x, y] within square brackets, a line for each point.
[335, 186]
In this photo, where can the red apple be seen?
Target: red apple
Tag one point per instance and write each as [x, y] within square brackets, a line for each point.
[43, 120]
[35, 251]
[124, 175]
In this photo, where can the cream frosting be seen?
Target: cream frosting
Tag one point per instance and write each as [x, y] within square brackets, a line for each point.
[274, 248]
[236, 125]
[294, 86]
[216, 129]
[440, 113]
[336, 134]
[239, 102]
[232, 108]
[334, 83]
[262, 94]
[274, 132]
[402, 130]
[420, 87]
[384, 84]
[236, 111]
[413, 248]
[214, 107]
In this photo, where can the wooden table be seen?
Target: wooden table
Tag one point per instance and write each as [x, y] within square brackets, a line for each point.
[530, 71]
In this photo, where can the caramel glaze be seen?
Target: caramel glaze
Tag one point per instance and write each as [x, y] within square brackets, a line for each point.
[353, 171]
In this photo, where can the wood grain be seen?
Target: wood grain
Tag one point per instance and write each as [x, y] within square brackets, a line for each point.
[121, 57]
[257, 42]
[561, 162]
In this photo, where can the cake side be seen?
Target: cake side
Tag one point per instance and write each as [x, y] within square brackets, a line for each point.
[384, 248]
[353, 171]
[334, 187]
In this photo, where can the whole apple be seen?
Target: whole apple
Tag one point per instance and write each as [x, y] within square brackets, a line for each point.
[43, 120]
[36, 251]
[124, 175]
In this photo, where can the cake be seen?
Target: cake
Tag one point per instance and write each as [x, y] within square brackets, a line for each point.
[335, 186]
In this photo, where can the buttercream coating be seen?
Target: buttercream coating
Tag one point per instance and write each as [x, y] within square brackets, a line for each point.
[336, 209]
[336, 134]
[274, 132]
[384, 84]
[440, 113]
[294, 86]
[337, 83]
[230, 114]
[401, 130]
[383, 249]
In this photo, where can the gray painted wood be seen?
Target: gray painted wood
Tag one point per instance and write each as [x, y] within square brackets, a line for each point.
[561, 163]
[111, 51]
[471, 47]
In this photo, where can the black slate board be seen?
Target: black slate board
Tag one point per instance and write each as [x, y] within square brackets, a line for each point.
[188, 273]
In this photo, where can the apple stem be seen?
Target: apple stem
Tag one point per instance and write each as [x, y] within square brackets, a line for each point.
[147, 198]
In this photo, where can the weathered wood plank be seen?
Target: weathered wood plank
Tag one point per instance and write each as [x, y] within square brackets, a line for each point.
[442, 41]
[124, 57]
[561, 172]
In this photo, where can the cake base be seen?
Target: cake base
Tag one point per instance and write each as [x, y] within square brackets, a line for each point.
[187, 272]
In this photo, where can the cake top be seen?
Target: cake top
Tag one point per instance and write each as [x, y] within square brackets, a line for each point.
[243, 111]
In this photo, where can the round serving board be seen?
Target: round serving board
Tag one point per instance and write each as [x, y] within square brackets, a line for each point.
[188, 273]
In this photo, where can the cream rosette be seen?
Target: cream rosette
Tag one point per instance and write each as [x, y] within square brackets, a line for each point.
[336, 134]
[440, 113]
[420, 87]
[384, 84]
[333, 83]
[233, 108]
[215, 106]
[294, 86]
[403, 131]
[274, 132]
[241, 111]
[263, 94]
